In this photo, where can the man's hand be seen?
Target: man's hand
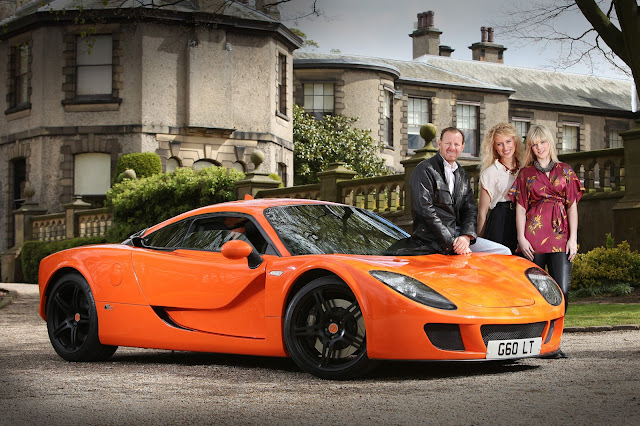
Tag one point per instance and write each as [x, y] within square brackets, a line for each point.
[461, 244]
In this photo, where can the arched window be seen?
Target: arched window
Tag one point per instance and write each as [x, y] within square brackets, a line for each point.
[172, 164]
[203, 164]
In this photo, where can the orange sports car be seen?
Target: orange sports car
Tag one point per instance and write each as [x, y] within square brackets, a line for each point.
[321, 282]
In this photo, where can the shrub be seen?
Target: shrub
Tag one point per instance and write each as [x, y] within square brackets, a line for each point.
[319, 143]
[140, 203]
[606, 270]
[145, 164]
[34, 251]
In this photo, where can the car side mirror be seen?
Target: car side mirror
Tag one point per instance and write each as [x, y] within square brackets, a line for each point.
[238, 249]
[138, 242]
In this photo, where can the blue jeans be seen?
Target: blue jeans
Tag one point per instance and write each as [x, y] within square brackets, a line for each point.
[483, 245]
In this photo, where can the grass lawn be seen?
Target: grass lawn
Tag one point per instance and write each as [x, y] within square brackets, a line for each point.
[597, 314]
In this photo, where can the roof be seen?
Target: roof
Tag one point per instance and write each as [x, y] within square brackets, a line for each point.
[523, 85]
[408, 71]
[543, 86]
[218, 7]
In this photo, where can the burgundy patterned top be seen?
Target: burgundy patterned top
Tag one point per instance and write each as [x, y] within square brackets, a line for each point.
[546, 200]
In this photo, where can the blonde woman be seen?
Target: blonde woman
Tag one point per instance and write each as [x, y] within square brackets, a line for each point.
[502, 154]
[546, 193]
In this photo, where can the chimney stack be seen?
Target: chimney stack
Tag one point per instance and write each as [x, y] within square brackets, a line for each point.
[487, 50]
[426, 38]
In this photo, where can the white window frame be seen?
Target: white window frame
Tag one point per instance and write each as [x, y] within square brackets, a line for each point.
[567, 145]
[94, 66]
[415, 119]
[319, 98]
[471, 145]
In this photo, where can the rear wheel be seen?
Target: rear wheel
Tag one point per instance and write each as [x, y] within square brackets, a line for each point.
[325, 332]
[72, 321]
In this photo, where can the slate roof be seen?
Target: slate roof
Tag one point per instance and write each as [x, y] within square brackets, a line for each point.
[232, 10]
[526, 85]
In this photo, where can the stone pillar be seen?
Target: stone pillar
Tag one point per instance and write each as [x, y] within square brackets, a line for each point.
[71, 221]
[337, 172]
[626, 213]
[255, 181]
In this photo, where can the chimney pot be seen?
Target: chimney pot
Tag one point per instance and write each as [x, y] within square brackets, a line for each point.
[430, 22]
[483, 34]
[490, 30]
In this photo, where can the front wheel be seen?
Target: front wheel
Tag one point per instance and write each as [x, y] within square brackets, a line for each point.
[72, 321]
[324, 330]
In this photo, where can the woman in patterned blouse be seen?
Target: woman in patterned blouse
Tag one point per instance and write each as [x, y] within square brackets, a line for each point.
[546, 193]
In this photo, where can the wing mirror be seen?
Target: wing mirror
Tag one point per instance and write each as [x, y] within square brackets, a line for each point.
[138, 242]
[238, 249]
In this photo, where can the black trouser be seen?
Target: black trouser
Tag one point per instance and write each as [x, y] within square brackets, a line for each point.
[559, 269]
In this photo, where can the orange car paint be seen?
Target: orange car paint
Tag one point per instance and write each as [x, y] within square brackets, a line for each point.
[232, 308]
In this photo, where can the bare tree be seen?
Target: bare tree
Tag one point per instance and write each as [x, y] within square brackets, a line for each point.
[611, 31]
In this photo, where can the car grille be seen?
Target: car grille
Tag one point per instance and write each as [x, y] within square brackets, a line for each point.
[445, 336]
[511, 331]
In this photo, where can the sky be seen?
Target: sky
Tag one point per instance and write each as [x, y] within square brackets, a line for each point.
[381, 28]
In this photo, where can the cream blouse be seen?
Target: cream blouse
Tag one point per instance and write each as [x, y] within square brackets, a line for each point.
[497, 181]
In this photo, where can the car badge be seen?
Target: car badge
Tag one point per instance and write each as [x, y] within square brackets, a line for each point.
[515, 311]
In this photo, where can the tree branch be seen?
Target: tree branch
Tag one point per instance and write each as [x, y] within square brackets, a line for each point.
[606, 29]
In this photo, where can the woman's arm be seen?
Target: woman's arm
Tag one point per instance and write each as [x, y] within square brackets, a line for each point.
[572, 243]
[483, 209]
[521, 222]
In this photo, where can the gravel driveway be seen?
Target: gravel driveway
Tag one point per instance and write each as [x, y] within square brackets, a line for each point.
[600, 382]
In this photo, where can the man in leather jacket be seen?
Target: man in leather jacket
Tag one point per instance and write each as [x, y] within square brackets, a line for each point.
[443, 206]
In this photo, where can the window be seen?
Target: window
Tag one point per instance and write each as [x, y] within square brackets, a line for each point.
[240, 166]
[172, 164]
[522, 126]
[92, 174]
[570, 137]
[282, 84]
[19, 172]
[615, 140]
[282, 172]
[19, 76]
[467, 122]
[211, 233]
[318, 99]
[94, 70]
[387, 119]
[203, 164]
[168, 236]
[419, 114]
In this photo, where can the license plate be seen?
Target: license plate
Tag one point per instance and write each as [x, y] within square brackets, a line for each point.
[516, 348]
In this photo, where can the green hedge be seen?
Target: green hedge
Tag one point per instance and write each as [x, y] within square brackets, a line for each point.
[145, 164]
[605, 270]
[34, 251]
[140, 203]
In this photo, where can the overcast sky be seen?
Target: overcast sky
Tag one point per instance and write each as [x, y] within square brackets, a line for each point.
[381, 28]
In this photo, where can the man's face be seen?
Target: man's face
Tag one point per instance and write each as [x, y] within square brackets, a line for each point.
[451, 145]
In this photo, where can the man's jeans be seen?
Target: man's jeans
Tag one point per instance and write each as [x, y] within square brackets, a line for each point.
[483, 245]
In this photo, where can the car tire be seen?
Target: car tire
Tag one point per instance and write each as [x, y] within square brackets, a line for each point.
[72, 321]
[324, 330]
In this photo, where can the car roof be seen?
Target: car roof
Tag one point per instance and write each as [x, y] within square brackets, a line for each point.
[253, 207]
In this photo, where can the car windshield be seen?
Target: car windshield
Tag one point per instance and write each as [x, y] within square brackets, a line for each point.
[327, 229]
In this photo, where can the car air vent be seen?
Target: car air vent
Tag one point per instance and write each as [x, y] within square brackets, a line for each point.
[511, 331]
[445, 336]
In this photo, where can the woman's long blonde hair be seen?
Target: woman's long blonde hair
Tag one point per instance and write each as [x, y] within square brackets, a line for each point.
[537, 133]
[490, 155]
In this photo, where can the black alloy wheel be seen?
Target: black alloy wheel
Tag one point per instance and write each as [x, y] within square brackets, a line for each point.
[72, 321]
[325, 332]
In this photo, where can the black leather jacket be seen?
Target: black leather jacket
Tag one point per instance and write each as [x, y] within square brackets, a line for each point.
[435, 212]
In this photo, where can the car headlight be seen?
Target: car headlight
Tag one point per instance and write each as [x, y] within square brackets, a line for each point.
[414, 289]
[545, 285]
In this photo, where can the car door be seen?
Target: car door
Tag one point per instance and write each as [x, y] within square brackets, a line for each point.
[184, 274]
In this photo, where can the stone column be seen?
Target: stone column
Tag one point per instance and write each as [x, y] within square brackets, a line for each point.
[71, 221]
[337, 172]
[626, 213]
[255, 181]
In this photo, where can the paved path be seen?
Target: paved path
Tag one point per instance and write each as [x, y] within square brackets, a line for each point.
[600, 382]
